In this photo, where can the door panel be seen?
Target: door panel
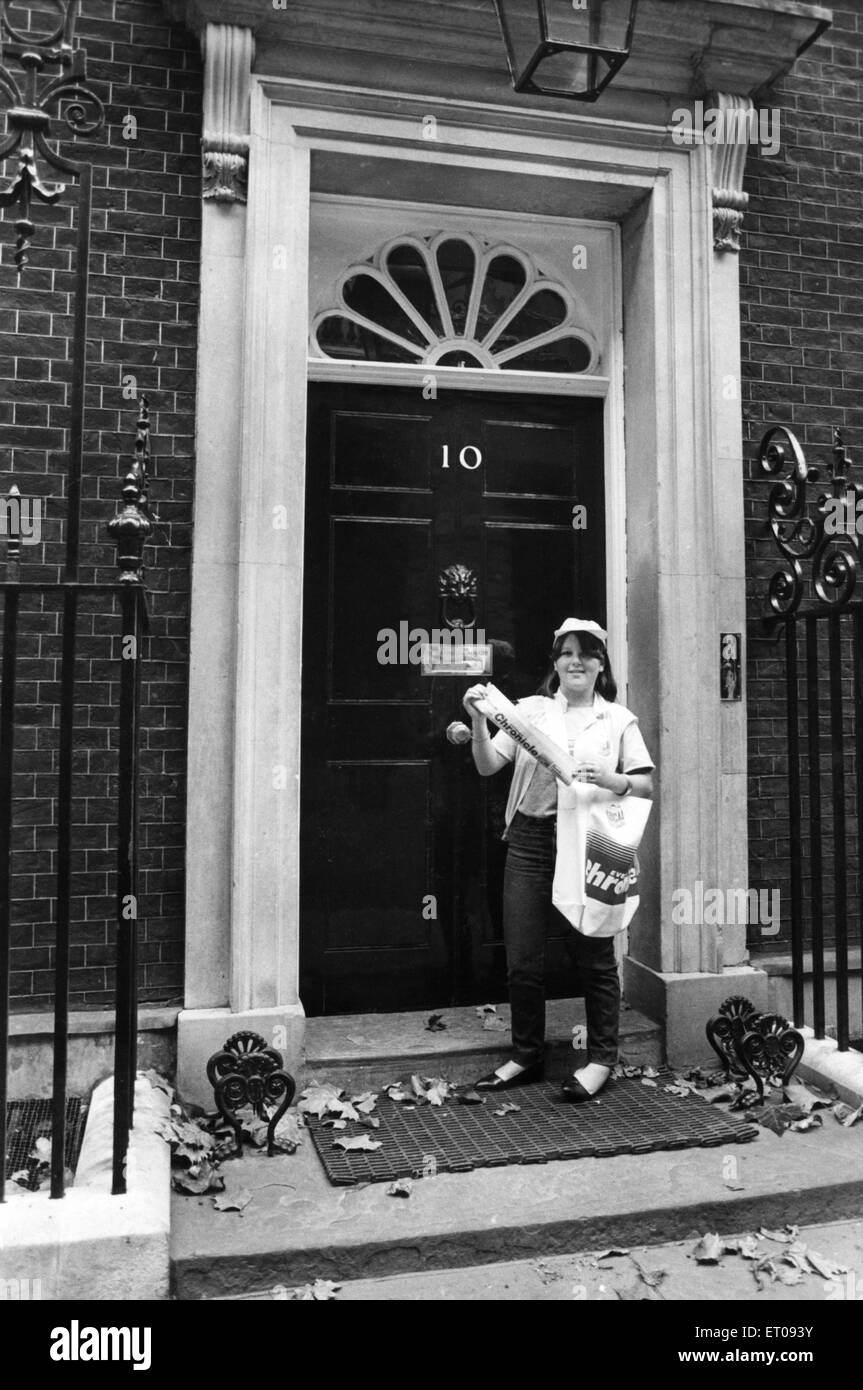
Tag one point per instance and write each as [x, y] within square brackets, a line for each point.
[401, 867]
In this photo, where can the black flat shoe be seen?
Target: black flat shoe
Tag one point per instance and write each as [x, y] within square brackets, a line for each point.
[493, 1082]
[574, 1091]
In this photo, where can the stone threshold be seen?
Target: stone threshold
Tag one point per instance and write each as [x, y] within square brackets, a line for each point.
[361, 1050]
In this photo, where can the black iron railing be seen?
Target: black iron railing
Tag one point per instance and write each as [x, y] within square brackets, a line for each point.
[814, 595]
[27, 101]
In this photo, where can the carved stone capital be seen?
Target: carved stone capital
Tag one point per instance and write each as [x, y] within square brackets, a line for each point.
[229, 51]
[225, 175]
[727, 162]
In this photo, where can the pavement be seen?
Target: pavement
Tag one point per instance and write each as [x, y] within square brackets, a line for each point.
[651, 1273]
[526, 1231]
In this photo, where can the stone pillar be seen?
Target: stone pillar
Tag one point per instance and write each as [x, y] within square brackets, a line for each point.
[684, 974]
[235, 972]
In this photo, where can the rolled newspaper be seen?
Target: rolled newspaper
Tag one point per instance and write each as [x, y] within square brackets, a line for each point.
[504, 714]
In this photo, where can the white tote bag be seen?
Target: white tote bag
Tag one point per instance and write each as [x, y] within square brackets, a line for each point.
[596, 870]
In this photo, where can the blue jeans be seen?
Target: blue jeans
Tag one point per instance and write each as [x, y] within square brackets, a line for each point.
[527, 912]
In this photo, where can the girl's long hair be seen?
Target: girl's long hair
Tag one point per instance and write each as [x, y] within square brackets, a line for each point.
[590, 646]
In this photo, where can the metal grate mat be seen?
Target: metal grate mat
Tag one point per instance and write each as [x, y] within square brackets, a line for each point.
[29, 1120]
[627, 1118]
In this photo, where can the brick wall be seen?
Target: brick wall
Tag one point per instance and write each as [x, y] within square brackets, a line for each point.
[142, 338]
[802, 329]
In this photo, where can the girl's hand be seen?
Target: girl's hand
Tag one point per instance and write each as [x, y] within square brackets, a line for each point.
[589, 772]
[475, 692]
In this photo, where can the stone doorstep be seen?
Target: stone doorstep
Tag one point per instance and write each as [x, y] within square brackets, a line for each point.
[362, 1051]
[298, 1228]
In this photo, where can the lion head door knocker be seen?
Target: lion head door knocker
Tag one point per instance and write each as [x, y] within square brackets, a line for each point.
[457, 593]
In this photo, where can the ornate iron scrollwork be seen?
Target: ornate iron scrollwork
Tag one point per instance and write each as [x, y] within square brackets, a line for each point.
[457, 590]
[801, 536]
[725, 1031]
[28, 117]
[246, 1072]
[773, 1047]
[750, 1044]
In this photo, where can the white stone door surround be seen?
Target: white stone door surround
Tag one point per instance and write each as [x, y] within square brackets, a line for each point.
[683, 522]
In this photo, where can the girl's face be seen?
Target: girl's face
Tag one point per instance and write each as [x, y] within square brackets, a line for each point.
[577, 672]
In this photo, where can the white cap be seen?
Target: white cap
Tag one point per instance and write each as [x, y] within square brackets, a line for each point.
[581, 625]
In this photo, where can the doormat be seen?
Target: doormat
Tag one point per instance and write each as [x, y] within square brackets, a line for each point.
[29, 1120]
[626, 1118]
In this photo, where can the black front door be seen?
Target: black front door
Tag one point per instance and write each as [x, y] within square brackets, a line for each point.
[401, 860]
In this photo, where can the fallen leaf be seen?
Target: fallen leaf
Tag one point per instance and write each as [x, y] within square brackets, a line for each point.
[483, 1009]
[846, 1114]
[787, 1234]
[798, 1094]
[402, 1187]
[430, 1090]
[368, 1121]
[42, 1150]
[470, 1098]
[438, 1090]
[399, 1092]
[158, 1082]
[255, 1130]
[608, 1254]
[650, 1071]
[493, 1023]
[810, 1122]
[325, 1100]
[678, 1090]
[334, 1124]
[187, 1140]
[828, 1269]
[792, 1112]
[287, 1136]
[318, 1292]
[764, 1272]
[651, 1277]
[772, 1120]
[365, 1103]
[196, 1184]
[507, 1107]
[233, 1201]
[798, 1261]
[357, 1141]
[646, 1081]
[546, 1274]
[435, 1024]
[317, 1100]
[749, 1248]
[708, 1250]
[715, 1094]
[788, 1274]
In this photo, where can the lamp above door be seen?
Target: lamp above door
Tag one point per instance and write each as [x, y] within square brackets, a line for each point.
[566, 48]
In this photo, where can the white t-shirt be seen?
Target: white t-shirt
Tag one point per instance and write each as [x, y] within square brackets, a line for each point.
[611, 739]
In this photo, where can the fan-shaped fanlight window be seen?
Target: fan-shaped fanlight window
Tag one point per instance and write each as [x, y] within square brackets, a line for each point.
[452, 301]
